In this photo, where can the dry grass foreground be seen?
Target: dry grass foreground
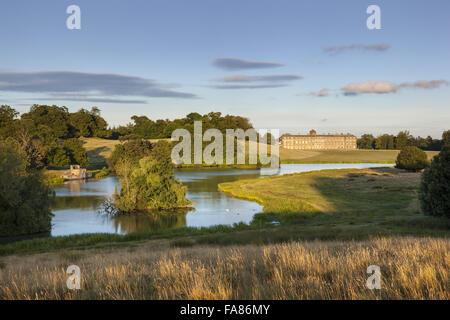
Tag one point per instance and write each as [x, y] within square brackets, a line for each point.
[411, 268]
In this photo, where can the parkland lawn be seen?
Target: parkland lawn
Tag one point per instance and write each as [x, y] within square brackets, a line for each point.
[342, 156]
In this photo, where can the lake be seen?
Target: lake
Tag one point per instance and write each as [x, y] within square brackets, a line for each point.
[77, 203]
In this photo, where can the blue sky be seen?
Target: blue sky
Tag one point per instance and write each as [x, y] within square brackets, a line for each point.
[292, 65]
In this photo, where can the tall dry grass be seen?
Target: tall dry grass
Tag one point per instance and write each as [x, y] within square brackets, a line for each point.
[412, 268]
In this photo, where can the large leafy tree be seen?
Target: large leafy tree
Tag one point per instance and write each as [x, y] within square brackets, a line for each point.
[89, 123]
[402, 139]
[150, 184]
[385, 141]
[367, 141]
[24, 198]
[76, 152]
[54, 117]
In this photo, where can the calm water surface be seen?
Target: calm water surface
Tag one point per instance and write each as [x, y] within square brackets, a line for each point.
[77, 203]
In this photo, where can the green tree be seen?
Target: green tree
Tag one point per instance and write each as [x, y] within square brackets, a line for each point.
[434, 193]
[151, 184]
[133, 150]
[402, 139]
[24, 198]
[446, 138]
[54, 117]
[89, 123]
[385, 141]
[412, 159]
[76, 152]
[7, 117]
[367, 141]
[58, 157]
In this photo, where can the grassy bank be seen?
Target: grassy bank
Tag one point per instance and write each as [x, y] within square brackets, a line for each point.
[411, 268]
[353, 201]
[342, 156]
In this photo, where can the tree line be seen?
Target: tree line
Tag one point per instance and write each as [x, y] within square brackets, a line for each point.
[49, 135]
[401, 140]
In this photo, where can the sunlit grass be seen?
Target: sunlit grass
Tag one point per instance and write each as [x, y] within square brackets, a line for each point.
[411, 268]
[342, 156]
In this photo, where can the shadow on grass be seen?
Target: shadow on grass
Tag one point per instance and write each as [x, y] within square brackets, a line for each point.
[96, 160]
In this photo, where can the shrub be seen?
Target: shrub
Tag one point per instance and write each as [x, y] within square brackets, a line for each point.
[100, 174]
[412, 159]
[434, 193]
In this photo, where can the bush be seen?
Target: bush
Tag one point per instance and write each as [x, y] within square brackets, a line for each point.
[434, 193]
[100, 174]
[412, 159]
[24, 198]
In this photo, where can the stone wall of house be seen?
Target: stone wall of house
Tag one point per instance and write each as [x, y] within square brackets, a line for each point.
[318, 142]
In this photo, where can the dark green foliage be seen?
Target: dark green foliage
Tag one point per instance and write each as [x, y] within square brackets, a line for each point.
[58, 157]
[132, 150]
[54, 117]
[386, 141]
[76, 152]
[24, 198]
[402, 139]
[367, 141]
[412, 159]
[434, 191]
[150, 184]
[46, 134]
[159, 129]
[64, 124]
[7, 117]
[89, 124]
[446, 138]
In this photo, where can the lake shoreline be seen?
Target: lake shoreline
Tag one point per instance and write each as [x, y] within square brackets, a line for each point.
[261, 229]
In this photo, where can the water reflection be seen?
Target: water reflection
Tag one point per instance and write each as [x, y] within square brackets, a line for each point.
[77, 203]
[149, 221]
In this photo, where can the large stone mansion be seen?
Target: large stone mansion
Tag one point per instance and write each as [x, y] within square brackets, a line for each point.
[314, 141]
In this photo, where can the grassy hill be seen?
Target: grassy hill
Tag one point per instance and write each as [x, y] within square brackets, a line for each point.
[99, 150]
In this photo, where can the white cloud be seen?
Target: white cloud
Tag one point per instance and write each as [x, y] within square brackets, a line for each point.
[381, 87]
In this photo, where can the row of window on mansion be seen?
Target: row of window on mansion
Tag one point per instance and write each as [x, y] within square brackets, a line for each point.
[316, 142]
